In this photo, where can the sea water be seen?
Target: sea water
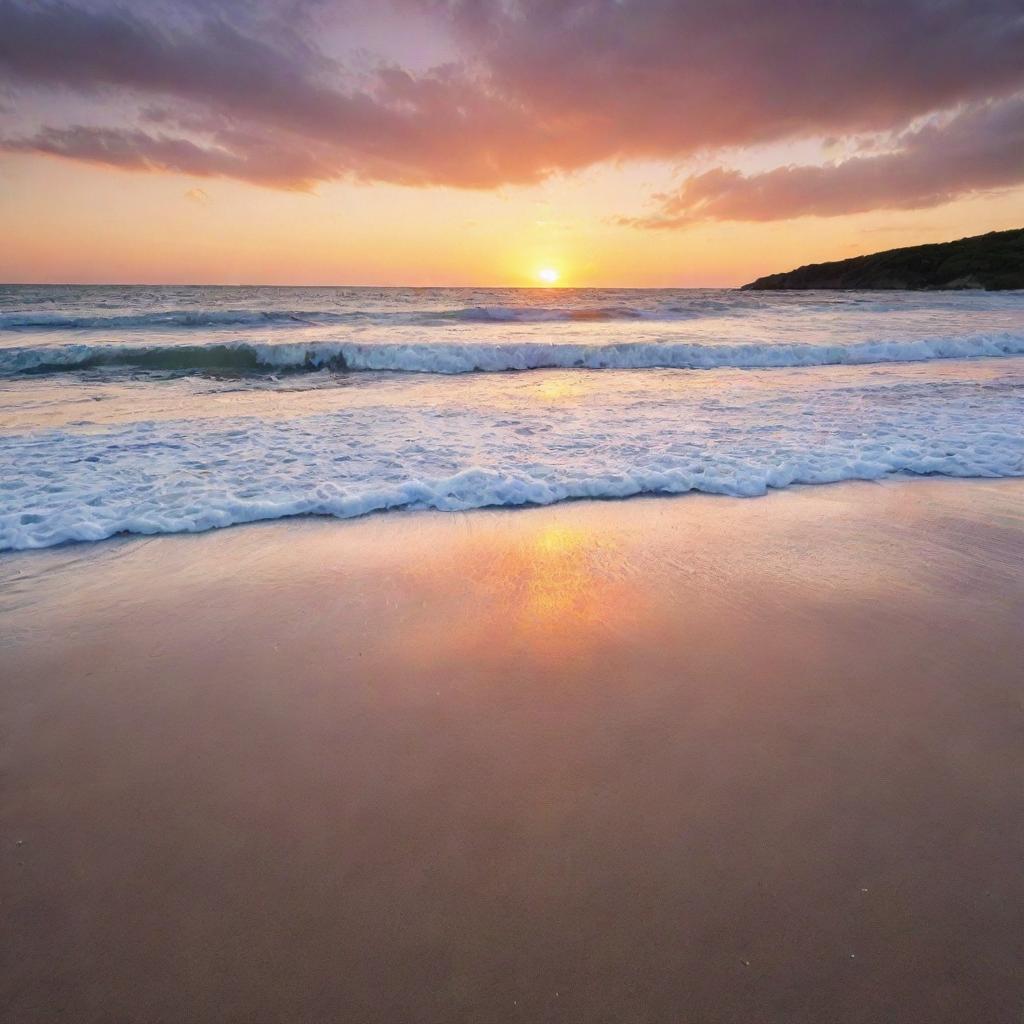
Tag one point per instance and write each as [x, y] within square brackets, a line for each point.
[157, 410]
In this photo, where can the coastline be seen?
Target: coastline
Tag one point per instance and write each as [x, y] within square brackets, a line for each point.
[697, 758]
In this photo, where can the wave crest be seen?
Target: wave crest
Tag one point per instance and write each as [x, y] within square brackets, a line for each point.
[455, 358]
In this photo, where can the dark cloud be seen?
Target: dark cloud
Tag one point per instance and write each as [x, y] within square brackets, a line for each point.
[255, 96]
[981, 148]
[664, 77]
[242, 89]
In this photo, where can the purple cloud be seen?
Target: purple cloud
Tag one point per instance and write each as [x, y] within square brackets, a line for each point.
[140, 151]
[981, 148]
[664, 77]
[243, 89]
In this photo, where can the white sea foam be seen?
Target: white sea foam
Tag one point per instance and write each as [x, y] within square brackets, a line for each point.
[511, 441]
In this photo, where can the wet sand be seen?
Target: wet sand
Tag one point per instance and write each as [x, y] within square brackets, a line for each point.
[691, 760]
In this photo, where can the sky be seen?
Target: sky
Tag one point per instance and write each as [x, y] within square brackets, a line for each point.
[646, 143]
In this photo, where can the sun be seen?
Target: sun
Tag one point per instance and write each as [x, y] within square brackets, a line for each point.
[549, 275]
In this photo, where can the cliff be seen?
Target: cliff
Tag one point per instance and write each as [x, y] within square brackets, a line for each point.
[994, 262]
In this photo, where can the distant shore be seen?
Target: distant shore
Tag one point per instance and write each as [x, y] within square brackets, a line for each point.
[693, 759]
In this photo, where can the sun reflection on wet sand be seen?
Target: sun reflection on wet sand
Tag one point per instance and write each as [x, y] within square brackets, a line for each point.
[558, 578]
[552, 591]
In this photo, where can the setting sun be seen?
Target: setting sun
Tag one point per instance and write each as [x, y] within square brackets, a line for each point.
[549, 275]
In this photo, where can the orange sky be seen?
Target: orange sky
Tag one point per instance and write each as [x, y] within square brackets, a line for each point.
[73, 222]
[428, 156]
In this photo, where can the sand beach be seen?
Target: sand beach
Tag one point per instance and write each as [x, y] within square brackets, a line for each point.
[694, 759]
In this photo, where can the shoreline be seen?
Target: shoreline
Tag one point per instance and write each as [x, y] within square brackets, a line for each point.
[711, 760]
[126, 536]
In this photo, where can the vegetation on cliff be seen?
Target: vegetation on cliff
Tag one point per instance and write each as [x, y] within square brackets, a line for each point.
[994, 262]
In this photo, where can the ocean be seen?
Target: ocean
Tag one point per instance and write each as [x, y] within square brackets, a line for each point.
[153, 410]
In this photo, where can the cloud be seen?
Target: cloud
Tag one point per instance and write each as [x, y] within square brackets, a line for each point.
[254, 100]
[981, 148]
[197, 195]
[664, 76]
[139, 151]
[242, 88]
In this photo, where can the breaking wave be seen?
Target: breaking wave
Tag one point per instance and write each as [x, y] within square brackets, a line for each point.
[450, 357]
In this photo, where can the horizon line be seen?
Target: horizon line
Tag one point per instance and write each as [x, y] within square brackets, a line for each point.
[397, 287]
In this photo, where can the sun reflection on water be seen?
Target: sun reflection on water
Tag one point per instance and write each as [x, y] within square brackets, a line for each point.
[558, 389]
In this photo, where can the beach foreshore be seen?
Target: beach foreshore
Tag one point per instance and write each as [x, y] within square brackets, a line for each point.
[692, 760]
